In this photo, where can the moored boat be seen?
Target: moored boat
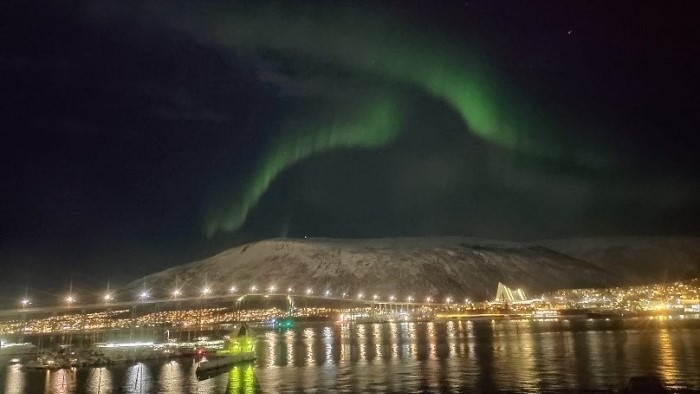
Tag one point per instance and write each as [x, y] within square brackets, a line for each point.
[223, 361]
[236, 350]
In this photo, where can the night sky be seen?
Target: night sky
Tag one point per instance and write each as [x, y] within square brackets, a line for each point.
[137, 135]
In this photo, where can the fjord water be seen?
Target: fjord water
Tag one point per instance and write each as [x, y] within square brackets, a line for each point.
[454, 356]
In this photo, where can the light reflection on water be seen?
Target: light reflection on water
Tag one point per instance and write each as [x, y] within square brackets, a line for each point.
[138, 378]
[61, 381]
[14, 382]
[484, 356]
[171, 376]
[100, 380]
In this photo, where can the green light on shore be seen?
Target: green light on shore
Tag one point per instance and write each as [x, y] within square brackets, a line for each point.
[286, 323]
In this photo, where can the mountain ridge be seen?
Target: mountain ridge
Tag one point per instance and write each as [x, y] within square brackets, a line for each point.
[636, 260]
[408, 266]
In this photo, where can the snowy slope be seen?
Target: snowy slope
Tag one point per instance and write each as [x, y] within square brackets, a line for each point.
[439, 266]
[636, 259]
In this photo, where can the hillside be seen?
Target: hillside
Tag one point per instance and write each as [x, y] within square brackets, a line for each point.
[636, 260]
[438, 266]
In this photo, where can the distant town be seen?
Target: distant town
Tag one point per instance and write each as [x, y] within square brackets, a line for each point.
[208, 313]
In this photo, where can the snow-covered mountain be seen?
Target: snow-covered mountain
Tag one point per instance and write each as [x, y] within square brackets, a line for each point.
[636, 259]
[418, 267]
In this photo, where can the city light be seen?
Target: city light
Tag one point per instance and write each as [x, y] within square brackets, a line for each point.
[656, 300]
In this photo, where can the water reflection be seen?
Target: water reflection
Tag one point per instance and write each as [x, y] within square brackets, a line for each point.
[100, 380]
[289, 340]
[14, 383]
[61, 381]
[667, 367]
[328, 343]
[484, 356]
[241, 380]
[171, 376]
[309, 346]
[138, 378]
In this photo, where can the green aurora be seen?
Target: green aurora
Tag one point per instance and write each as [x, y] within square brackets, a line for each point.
[378, 47]
[374, 125]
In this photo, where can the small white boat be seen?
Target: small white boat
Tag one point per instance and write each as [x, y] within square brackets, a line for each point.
[219, 362]
[239, 349]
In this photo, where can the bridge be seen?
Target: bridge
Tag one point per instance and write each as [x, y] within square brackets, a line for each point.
[177, 302]
[504, 295]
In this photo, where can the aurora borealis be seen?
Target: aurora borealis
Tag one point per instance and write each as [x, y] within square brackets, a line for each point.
[372, 127]
[142, 134]
[457, 75]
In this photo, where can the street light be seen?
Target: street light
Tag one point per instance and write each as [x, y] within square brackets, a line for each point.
[289, 290]
[144, 295]
[273, 289]
[176, 293]
[328, 293]
[70, 299]
[206, 291]
[309, 291]
[232, 289]
[448, 300]
[429, 299]
[374, 297]
[392, 298]
[25, 302]
[359, 296]
[253, 289]
[107, 297]
[345, 295]
[410, 299]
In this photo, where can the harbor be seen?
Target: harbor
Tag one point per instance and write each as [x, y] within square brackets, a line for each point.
[437, 356]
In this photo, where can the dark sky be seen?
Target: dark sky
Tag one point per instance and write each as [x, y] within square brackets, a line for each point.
[130, 128]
